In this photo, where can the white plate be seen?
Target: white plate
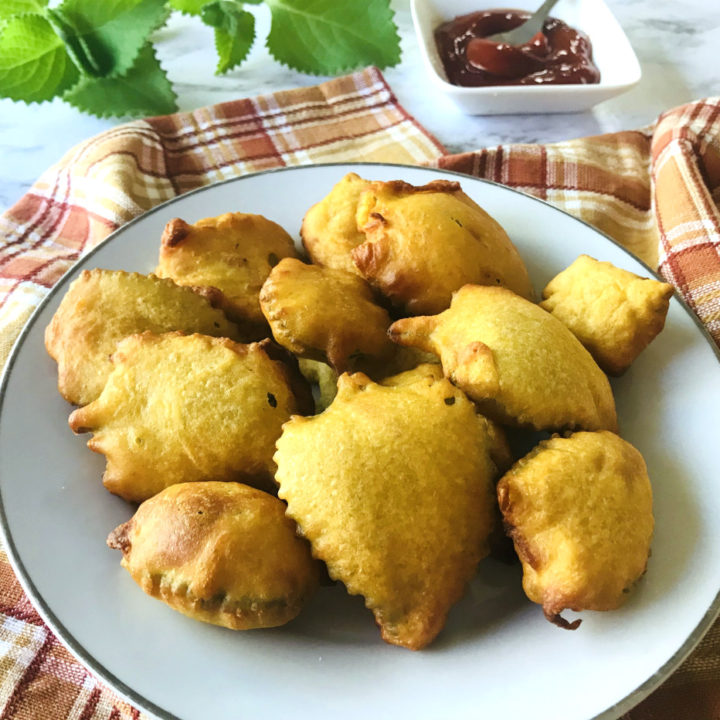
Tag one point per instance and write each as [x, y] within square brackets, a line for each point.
[612, 52]
[497, 656]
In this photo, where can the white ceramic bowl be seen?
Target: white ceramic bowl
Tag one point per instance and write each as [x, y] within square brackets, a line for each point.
[613, 55]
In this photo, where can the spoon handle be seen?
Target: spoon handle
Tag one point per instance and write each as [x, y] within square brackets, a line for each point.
[529, 28]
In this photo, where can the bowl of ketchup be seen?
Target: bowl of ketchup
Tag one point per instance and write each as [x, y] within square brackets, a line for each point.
[580, 58]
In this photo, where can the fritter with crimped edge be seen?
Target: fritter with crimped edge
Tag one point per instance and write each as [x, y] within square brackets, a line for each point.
[393, 487]
[103, 306]
[182, 408]
[521, 365]
[324, 314]
[220, 552]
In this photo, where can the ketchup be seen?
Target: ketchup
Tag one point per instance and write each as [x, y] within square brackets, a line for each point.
[558, 55]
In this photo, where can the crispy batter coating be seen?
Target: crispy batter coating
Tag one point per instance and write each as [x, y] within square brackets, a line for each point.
[392, 485]
[498, 445]
[521, 365]
[183, 408]
[614, 313]
[103, 306]
[323, 313]
[579, 511]
[430, 371]
[423, 243]
[233, 252]
[329, 230]
[220, 552]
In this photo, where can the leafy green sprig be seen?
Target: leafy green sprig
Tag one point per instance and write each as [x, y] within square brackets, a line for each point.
[98, 55]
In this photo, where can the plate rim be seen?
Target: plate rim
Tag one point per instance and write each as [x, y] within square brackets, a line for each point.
[133, 697]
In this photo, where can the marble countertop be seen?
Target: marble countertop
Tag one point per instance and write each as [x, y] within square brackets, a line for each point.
[676, 44]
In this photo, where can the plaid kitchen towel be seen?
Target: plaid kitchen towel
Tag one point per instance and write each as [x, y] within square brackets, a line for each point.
[656, 191]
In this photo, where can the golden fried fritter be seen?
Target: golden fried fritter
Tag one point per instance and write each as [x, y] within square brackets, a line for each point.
[329, 230]
[614, 313]
[521, 365]
[392, 485]
[233, 252]
[220, 552]
[579, 511]
[182, 408]
[103, 306]
[423, 243]
[323, 313]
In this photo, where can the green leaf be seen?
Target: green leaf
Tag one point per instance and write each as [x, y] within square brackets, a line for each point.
[105, 36]
[8, 8]
[234, 32]
[189, 7]
[143, 90]
[34, 65]
[326, 37]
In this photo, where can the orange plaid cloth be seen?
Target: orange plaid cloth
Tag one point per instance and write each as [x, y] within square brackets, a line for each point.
[656, 191]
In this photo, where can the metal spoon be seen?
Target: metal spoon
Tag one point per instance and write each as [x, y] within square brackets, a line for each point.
[525, 32]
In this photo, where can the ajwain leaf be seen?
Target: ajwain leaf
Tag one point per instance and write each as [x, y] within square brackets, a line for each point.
[34, 65]
[143, 90]
[9, 8]
[326, 37]
[107, 35]
[234, 32]
[189, 7]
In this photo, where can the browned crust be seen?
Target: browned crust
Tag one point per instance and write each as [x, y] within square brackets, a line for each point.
[405, 188]
[370, 257]
[213, 295]
[220, 610]
[175, 232]
[119, 538]
[250, 330]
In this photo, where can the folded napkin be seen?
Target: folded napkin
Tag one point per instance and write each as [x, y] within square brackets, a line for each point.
[656, 191]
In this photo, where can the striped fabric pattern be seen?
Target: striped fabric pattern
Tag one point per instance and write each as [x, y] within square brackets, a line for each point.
[654, 190]
[117, 175]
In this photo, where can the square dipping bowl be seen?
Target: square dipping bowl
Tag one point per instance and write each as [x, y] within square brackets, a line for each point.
[612, 54]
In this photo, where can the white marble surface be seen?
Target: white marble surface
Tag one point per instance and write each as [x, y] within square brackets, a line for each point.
[676, 43]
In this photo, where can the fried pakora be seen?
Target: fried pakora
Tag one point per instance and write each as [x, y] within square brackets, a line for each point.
[329, 229]
[579, 511]
[219, 552]
[103, 306]
[393, 487]
[423, 243]
[183, 408]
[323, 313]
[614, 313]
[516, 361]
[233, 252]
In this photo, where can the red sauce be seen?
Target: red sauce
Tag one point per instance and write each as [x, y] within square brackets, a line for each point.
[559, 54]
